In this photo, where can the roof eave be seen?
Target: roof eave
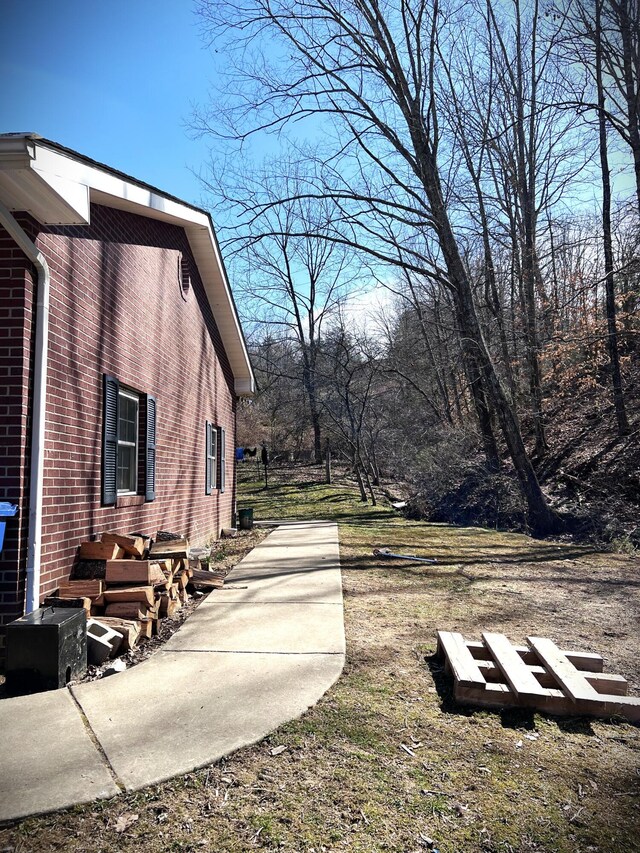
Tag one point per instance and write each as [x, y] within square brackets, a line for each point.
[56, 186]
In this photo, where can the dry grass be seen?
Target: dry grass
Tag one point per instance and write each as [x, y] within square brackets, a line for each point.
[386, 761]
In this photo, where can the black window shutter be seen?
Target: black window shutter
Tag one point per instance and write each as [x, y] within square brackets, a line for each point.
[150, 465]
[111, 388]
[207, 459]
[222, 458]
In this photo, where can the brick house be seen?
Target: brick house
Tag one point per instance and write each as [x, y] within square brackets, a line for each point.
[121, 362]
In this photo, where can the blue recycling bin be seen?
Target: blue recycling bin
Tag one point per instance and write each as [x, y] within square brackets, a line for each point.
[7, 510]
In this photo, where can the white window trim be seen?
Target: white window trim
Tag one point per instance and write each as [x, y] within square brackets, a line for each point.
[212, 456]
[136, 399]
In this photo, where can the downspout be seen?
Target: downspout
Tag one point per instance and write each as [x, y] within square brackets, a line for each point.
[38, 413]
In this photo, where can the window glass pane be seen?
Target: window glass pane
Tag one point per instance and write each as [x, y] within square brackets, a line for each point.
[128, 427]
[128, 443]
[126, 468]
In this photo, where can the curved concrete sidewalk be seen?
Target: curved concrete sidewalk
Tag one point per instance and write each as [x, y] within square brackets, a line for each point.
[246, 661]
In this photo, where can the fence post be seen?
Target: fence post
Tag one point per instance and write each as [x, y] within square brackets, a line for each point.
[327, 463]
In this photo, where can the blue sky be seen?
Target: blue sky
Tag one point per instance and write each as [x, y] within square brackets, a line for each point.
[117, 81]
[113, 80]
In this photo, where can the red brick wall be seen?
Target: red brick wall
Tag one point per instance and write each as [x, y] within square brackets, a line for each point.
[117, 307]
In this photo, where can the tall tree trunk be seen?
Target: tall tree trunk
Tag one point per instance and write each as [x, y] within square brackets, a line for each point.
[309, 384]
[543, 518]
[480, 402]
[436, 370]
[368, 479]
[356, 468]
[612, 334]
[526, 187]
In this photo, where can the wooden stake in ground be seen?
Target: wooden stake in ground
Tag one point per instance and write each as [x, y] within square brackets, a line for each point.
[264, 458]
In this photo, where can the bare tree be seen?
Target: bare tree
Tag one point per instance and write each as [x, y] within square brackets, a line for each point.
[293, 277]
[612, 333]
[374, 70]
[619, 39]
[606, 32]
[348, 390]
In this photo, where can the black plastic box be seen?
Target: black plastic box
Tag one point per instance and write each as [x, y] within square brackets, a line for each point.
[46, 649]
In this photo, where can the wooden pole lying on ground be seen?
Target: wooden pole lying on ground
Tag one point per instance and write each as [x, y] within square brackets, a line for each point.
[384, 552]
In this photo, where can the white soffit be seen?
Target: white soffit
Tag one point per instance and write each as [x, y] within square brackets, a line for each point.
[56, 188]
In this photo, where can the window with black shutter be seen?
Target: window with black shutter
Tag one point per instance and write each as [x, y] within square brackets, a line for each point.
[211, 442]
[223, 457]
[150, 466]
[125, 437]
[111, 388]
[128, 442]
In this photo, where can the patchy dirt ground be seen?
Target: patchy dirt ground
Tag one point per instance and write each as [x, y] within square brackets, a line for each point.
[582, 598]
[387, 761]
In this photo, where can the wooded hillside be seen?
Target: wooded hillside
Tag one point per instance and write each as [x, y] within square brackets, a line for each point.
[480, 164]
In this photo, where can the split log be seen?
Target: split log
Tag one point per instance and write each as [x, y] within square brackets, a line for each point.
[142, 594]
[134, 571]
[178, 564]
[128, 629]
[132, 545]
[128, 610]
[146, 628]
[80, 588]
[163, 604]
[177, 548]
[100, 551]
[75, 603]
[167, 606]
[207, 580]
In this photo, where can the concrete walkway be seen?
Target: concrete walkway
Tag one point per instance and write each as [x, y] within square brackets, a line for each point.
[246, 661]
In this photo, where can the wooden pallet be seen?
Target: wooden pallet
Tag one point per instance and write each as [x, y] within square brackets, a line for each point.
[495, 674]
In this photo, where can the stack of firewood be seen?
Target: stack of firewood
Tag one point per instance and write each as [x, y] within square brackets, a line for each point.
[129, 582]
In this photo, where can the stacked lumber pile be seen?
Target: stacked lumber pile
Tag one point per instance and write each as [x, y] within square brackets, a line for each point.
[129, 582]
[494, 673]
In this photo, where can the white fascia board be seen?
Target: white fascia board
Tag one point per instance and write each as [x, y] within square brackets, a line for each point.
[47, 194]
[74, 195]
[25, 189]
[205, 251]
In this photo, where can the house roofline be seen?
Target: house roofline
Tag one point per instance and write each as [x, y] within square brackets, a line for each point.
[56, 185]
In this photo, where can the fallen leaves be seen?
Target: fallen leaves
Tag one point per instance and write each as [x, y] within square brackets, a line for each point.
[124, 821]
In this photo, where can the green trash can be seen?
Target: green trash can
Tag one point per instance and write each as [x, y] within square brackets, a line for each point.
[245, 517]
